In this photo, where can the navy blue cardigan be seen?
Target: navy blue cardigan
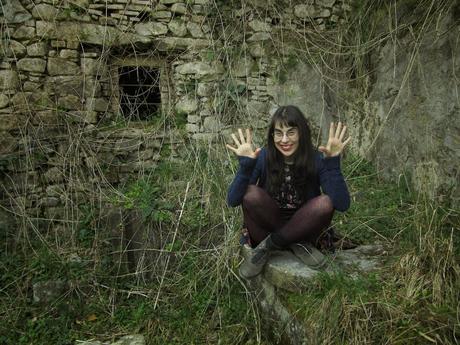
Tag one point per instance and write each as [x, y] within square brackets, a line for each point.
[329, 179]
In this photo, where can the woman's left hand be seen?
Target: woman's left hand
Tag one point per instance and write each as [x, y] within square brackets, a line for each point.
[335, 144]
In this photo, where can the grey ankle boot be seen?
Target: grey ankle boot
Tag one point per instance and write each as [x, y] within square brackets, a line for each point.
[257, 258]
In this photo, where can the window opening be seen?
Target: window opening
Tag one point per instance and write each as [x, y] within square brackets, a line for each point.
[140, 96]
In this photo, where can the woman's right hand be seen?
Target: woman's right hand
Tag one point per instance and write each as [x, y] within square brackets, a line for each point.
[243, 146]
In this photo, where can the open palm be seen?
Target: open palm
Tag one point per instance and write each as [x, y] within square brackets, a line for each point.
[244, 145]
[335, 143]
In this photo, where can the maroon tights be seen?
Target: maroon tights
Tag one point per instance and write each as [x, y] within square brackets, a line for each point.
[262, 216]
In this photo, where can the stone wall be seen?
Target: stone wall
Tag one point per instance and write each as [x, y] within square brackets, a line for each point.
[63, 138]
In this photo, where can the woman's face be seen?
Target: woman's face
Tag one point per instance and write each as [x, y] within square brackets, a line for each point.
[286, 140]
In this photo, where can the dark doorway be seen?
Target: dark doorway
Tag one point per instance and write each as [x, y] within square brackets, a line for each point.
[140, 97]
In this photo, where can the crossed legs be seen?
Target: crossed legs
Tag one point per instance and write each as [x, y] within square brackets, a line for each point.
[262, 217]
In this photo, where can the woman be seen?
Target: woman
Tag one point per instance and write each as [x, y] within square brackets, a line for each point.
[280, 187]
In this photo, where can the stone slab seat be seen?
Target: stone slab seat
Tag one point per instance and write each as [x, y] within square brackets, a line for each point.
[284, 270]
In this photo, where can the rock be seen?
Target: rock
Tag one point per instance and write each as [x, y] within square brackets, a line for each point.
[180, 43]
[45, 12]
[84, 116]
[7, 145]
[204, 89]
[259, 36]
[14, 12]
[197, 68]
[151, 29]
[325, 13]
[195, 30]
[70, 102]
[24, 32]
[93, 66]
[186, 105]
[325, 3]
[258, 25]
[37, 49]
[8, 80]
[48, 291]
[88, 33]
[193, 119]
[256, 50]
[304, 11]
[177, 27]
[179, 8]
[97, 104]
[168, 2]
[211, 124]
[68, 54]
[135, 339]
[161, 15]
[9, 122]
[15, 49]
[192, 128]
[4, 100]
[59, 66]
[32, 65]
[242, 67]
[54, 175]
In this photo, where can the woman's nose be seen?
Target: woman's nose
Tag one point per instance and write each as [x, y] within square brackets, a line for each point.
[285, 138]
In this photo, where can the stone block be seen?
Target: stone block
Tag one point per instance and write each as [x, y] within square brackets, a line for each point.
[9, 122]
[304, 11]
[325, 13]
[8, 80]
[14, 12]
[23, 32]
[45, 29]
[259, 36]
[151, 29]
[14, 49]
[204, 89]
[258, 25]
[325, 3]
[192, 128]
[84, 116]
[97, 104]
[211, 124]
[181, 43]
[59, 66]
[161, 15]
[37, 49]
[31, 86]
[168, 2]
[179, 8]
[7, 142]
[256, 50]
[177, 27]
[4, 100]
[32, 65]
[193, 119]
[186, 105]
[195, 30]
[45, 12]
[68, 54]
[69, 102]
